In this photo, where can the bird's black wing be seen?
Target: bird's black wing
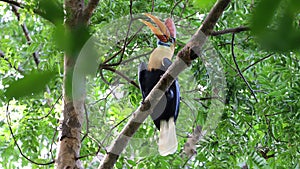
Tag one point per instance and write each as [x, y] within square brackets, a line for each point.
[168, 106]
[148, 79]
[141, 76]
[172, 94]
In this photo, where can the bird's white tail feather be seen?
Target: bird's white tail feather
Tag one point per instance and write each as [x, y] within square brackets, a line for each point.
[167, 143]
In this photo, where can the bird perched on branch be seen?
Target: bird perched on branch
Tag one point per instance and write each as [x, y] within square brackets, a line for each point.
[165, 113]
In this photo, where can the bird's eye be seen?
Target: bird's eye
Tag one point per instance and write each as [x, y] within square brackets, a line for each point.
[172, 40]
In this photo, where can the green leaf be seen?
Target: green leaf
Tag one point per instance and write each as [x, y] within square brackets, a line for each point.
[263, 14]
[32, 83]
[273, 23]
[131, 162]
[51, 10]
[203, 4]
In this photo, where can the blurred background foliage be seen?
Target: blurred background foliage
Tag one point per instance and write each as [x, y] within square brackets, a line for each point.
[262, 134]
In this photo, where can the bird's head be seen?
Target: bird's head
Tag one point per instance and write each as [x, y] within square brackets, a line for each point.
[165, 32]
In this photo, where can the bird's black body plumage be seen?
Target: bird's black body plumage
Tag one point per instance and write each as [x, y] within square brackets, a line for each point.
[168, 106]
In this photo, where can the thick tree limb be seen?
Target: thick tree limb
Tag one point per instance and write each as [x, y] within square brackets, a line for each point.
[71, 123]
[183, 60]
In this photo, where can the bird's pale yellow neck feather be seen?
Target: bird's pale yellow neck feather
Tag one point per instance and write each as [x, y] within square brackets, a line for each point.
[156, 57]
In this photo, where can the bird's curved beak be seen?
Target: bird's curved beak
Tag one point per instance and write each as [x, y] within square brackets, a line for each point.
[165, 32]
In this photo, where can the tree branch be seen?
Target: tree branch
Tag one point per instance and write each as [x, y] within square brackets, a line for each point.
[2, 55]
[123, 76]
[231, 30]
[15, 140]
[239, 70]
[266, 57]
[183, 60]
[26, 33]
[13, 3]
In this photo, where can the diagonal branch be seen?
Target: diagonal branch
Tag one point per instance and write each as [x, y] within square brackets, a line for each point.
[239, 70]
[13, 3]
[183, 60]
[258, 61]
[123, 76]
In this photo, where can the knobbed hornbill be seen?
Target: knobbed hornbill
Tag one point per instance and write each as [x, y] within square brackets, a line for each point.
[165, 113]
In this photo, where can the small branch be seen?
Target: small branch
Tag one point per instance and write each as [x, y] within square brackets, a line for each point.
[175, 5]
[231, 30]
[51, 146]
[112, 128]
[136, 57]
[2, 55]
[100, 146]
[26, 33]
[123, 76]
[122, 50]
[87, 123]
[88, 11]
[274, 114]
[51, 109]
[15, 140]
[13, 3]
[269, 55]
[238, 69]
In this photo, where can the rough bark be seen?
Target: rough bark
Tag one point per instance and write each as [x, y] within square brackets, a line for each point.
[183, 60]
[69, 143]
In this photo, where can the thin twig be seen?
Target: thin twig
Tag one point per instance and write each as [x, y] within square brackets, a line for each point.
[230, 30]
[111, 129]
[269, 55]
[87, 123]
[27, 36]
[49, 112]
[175, 5]
[2, 55]
[123, 76]
[15, 140]
[105, 63]
[136, 57]
[238, 69]
[100, 146]
[152, 5]
[51, 146]
[186, 161]
[18, 4]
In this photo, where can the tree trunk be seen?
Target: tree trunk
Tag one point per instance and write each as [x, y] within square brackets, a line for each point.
[69, 143]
